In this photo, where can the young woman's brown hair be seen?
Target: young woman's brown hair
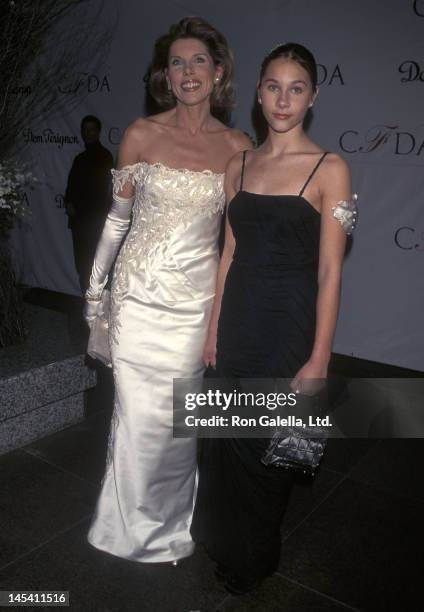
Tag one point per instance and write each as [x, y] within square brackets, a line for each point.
[297, 53]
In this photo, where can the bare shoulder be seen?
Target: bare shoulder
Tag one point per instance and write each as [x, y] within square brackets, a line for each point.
[137, 139]
[232, 174]
[335, 167]
[139, 129]
[336, 181]
[146, 130]
[238, 140]
[233, 171]
[134, 142]
[234, 165]
[235, 139]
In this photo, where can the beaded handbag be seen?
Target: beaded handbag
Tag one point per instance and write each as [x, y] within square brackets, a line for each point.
[299, 447]
[290, 448]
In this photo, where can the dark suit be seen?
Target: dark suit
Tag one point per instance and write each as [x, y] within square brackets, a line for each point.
[88, 191]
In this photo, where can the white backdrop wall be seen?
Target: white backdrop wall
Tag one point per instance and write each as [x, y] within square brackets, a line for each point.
[369, 110]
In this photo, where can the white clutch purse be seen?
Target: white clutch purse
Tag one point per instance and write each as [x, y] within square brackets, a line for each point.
[98, 341]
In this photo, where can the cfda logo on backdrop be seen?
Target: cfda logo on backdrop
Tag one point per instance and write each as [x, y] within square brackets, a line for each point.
[381, 136]
[330, 75]
[84, 82]
[411, 71]
[114, 135]
[409, 239]
[418, 7]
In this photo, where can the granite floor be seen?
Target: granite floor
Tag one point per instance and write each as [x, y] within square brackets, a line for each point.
[352, 538]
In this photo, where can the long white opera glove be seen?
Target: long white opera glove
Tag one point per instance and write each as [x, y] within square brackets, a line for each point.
[116, 226]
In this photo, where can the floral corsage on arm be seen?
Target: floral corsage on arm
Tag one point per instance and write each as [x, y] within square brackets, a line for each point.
[346, 213]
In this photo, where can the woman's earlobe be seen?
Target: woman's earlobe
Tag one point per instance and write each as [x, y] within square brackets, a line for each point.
[219, 74]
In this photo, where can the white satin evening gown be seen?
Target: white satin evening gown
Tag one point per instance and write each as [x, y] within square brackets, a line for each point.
[162, 292]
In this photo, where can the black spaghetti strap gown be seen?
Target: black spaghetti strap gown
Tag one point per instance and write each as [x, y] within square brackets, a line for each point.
[266, 330]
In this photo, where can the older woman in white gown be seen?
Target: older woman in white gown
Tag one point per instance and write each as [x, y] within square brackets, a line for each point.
[169, 192]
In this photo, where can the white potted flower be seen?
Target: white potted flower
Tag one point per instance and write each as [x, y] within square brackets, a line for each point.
[14, 178]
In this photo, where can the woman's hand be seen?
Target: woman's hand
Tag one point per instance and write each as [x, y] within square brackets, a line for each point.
[92, 309]
[209, 351]
[310, 378]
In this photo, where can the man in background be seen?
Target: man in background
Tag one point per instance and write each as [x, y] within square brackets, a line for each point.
[87, 197]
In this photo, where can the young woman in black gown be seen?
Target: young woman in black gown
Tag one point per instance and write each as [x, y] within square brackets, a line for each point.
[275, 309]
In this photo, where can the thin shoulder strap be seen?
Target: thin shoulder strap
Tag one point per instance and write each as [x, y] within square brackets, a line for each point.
[312, 173]
[242, 170]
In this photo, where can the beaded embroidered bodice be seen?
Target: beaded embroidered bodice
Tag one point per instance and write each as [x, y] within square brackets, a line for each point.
[167, 200]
